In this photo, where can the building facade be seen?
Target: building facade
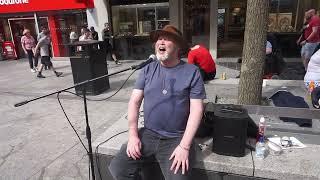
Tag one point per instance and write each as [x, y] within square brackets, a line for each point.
[60, 16]
[217, 24]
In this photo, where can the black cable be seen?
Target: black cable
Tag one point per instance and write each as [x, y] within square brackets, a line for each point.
[89, 168]
[97, 150]
[106, 97]
[253, 166]
[71, 123]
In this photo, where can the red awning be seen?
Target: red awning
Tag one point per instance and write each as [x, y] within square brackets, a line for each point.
[17, 6]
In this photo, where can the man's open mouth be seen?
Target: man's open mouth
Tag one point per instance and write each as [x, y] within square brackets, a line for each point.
[162, 49]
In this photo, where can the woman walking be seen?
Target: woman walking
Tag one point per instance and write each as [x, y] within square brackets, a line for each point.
[28, 45]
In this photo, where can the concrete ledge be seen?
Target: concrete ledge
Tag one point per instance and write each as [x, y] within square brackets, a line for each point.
[294, 164]
[235, 59]
[205, 159]
[266, 82]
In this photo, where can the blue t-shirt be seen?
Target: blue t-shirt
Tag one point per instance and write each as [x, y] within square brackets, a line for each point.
[167, 94]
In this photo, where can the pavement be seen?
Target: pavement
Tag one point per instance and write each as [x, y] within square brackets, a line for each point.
[36, 140]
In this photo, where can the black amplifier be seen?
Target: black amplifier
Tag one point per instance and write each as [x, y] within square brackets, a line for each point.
[230, 129]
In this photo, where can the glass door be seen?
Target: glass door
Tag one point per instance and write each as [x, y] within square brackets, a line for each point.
[17, 25]
[196, 24]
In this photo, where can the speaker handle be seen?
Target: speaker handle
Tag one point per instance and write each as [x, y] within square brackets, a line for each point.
[225, 110]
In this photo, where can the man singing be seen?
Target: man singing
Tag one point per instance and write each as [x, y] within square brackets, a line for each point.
[173, 93]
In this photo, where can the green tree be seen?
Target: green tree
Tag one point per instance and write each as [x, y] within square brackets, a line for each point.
[253, 56]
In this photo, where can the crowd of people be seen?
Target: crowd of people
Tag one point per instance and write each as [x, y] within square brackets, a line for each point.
[41, 47]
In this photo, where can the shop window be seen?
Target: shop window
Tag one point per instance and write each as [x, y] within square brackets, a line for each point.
[283, 16]
[162, 17]
[127, 24]
[146, 19]
[139, 19]
[65, 23]
[196, 22]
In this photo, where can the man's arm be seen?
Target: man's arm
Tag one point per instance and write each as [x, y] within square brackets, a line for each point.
[196, 112]
[300, 39]
[314, 33]
[134, 144]
[36, 50]
[181, 153]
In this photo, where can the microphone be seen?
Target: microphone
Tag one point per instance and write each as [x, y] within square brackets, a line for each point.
[151, 58]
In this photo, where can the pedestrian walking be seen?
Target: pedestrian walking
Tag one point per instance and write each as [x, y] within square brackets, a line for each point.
[41, 35]
[28, 44]
[43, 45]
[109, 42]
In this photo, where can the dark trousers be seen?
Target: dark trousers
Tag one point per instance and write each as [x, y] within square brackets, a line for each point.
[31, 58]
[155, 149]
[207, 76]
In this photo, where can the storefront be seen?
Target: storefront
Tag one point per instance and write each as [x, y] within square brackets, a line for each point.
[220, 25]
[132, 24]
[284, 24]
[60, 16]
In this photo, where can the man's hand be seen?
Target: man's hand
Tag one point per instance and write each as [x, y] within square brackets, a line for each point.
[303, 42]
[181, 158]
[134, 147]
[298, 42]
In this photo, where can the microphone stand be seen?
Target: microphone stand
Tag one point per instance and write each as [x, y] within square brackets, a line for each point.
[83, 84]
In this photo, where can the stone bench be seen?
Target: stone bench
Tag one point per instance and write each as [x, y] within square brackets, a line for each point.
[294, 164]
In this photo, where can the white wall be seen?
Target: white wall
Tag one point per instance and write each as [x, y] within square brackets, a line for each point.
[176, 13]
[97, 16]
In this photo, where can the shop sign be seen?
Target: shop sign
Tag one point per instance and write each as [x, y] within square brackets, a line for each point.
[9, 2]
[16, 6]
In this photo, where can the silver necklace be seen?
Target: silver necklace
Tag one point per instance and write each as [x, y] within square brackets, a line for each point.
[164, 90]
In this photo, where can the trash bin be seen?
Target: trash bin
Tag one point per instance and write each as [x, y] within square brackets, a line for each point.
[88, 61]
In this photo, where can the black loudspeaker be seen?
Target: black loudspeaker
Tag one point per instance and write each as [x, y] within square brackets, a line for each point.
[230, 128]
[206, 125]
[88, 64]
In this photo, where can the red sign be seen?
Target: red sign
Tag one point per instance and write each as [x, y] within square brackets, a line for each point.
[17, 6]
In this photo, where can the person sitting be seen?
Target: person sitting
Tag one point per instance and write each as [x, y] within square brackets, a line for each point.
[269, 67]
[274, 63]
[85, 35]
[201, 57]
[172, 92]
